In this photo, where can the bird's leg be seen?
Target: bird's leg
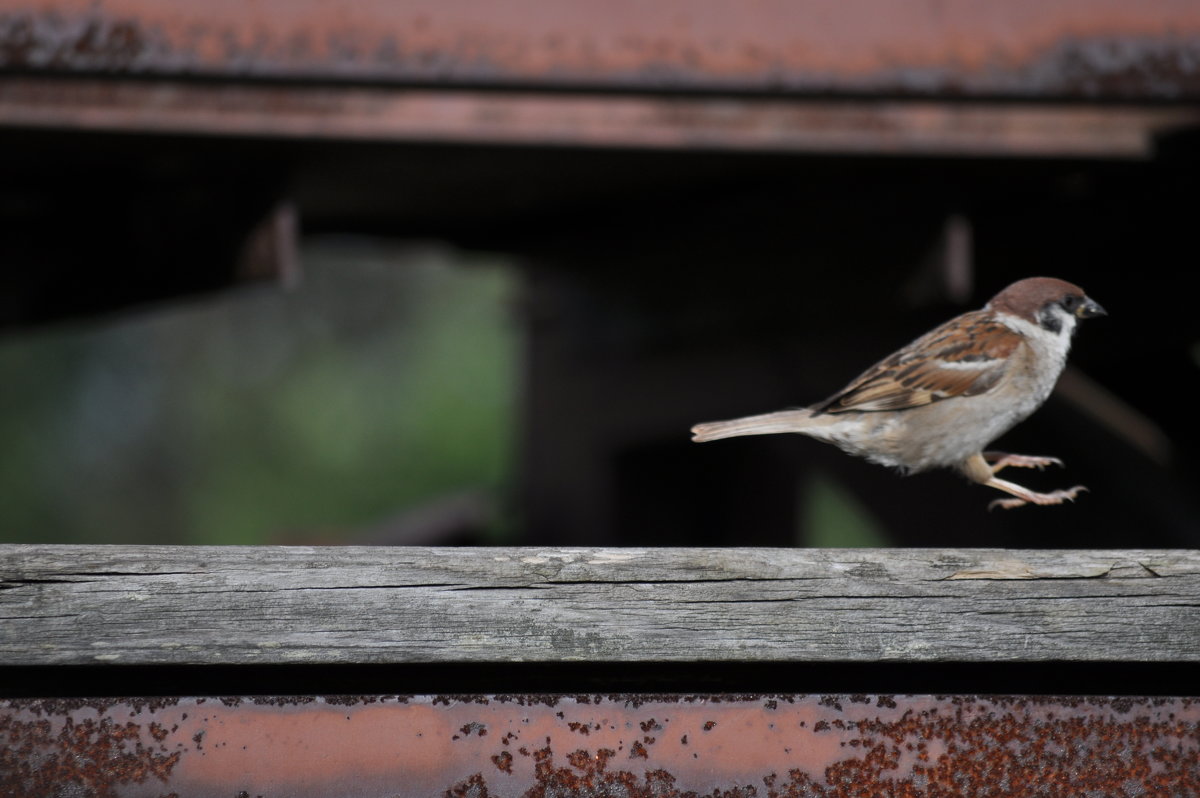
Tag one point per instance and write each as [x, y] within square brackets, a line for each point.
[977, 469]
[1000, 460]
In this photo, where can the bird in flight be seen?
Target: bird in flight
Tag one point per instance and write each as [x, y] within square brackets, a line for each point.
[940, 400]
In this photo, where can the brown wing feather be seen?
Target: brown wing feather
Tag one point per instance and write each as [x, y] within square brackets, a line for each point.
[964, 357]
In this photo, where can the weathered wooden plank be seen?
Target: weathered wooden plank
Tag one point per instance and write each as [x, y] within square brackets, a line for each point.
[165, 605]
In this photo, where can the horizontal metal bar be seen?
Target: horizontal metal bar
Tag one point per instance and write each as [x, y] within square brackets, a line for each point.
[1068, 48]
[364, 114]
[636, 745]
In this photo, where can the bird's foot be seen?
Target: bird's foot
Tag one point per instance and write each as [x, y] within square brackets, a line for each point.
[1030, 497]
[999, 460]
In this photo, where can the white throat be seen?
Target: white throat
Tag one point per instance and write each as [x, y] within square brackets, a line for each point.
[1050, 344]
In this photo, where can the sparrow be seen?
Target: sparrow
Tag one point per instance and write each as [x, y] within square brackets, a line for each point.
[940, 400]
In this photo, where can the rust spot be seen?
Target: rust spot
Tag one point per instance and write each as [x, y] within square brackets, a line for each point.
[473, 787]
[503, 761]
[472, 728]
[94, 756]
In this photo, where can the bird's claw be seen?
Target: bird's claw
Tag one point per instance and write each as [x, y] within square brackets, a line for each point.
[1057, 497]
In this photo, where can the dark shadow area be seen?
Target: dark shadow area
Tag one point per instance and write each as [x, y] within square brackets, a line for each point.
[660, 289]
[674, 678]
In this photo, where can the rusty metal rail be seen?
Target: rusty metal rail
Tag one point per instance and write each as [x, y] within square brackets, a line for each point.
[679, 74]
[912, 128]
[632, 745]
[1070, 48]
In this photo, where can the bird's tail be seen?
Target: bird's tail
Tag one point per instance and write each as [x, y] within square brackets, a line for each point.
[766, 424]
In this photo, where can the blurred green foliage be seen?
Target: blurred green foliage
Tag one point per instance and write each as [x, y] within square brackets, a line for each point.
[833, 518]
[387, 379]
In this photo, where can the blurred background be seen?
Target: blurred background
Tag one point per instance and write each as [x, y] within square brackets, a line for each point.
[444, 272]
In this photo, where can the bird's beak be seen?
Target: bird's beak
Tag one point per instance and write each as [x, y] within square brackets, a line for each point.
[1090, 310]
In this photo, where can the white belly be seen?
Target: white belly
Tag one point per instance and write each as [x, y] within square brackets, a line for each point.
[947, 432]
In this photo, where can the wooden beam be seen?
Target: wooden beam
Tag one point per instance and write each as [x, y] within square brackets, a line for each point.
[168, 605]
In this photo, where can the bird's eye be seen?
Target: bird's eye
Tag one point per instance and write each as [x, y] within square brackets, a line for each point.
[1070, 303]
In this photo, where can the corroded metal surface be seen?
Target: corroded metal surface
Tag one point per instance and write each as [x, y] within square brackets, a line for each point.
[1077, 48]
[373, 114]
[536, 745]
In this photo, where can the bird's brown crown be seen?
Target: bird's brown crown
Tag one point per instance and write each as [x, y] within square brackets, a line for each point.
[1026, 297]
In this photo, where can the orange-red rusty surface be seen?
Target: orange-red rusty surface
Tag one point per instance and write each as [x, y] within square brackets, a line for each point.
[1080, 48]
[781, 745]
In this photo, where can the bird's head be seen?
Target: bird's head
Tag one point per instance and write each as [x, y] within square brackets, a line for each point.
[1054, 305]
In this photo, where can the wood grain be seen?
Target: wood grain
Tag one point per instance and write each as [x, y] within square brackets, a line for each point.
[157, 605]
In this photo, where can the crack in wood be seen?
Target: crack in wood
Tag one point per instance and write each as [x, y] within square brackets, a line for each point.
[13, 583]
[599, 581]
[214, 606]
[36, 617]
[130, 573]
[742, 601]
[498, 588]
[1022, 571]
[82, 577]
[405, 586]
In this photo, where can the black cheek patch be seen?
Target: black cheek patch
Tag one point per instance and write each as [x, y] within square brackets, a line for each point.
[1050, 321]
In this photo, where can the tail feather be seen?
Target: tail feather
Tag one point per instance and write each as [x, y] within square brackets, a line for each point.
[766, 424]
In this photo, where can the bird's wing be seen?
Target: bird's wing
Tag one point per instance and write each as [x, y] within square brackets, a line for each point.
[966, 356]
